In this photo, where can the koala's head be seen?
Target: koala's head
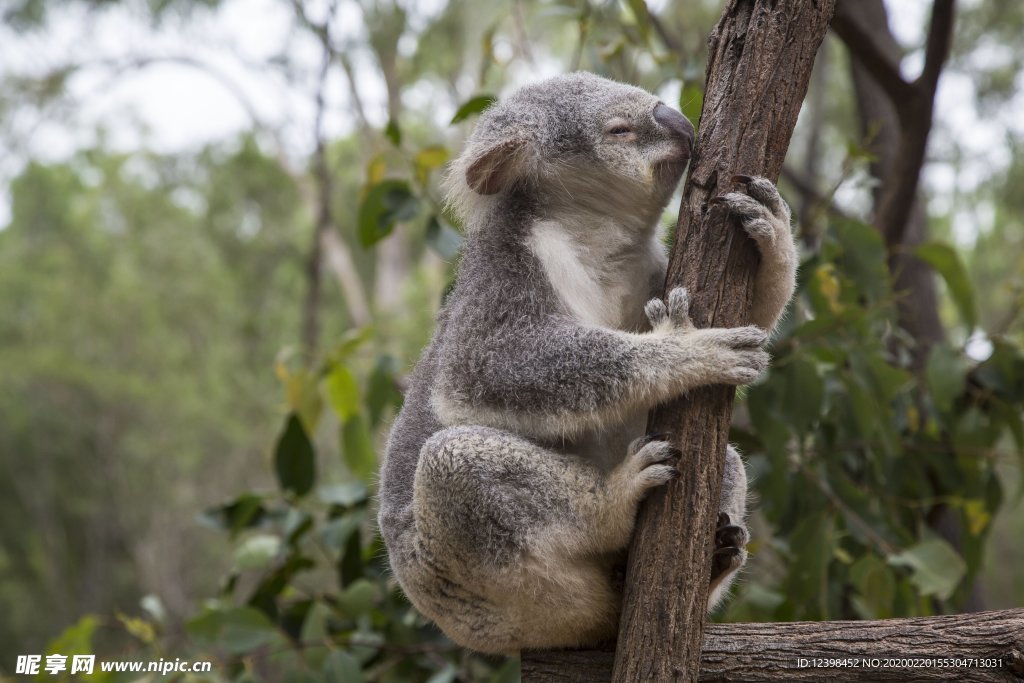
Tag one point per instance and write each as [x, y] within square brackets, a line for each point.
[574, 141]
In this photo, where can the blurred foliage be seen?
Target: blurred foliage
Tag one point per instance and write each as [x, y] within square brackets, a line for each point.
[855, 457]
[34, 14]
[152, 303]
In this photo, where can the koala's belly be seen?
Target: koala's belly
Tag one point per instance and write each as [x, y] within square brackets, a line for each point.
[607, 446]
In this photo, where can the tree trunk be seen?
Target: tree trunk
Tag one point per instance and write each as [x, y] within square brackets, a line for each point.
[880, 130]
[886, 135]
[942, 648]
[750, 110]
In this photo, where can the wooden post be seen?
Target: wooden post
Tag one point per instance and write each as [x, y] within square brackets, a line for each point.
[760, 58]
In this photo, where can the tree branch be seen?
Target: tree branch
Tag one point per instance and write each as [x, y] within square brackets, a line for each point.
[914, 104]
[915, 125]
[324, 215]
[940, 34]
[750, 110]
[939, 648]
[865, 49]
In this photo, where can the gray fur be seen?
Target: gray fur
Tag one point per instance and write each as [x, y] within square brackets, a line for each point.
[513, 472]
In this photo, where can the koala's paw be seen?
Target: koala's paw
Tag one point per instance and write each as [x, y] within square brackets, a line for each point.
[730, 548]
[676, 314]
[650, 461]
[718, 355]
[731, 355]
[763, 214]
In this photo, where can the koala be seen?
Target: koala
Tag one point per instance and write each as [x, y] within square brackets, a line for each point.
[512, 474]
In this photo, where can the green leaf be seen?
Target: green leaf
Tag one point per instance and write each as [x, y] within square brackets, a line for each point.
[946, 262]
[350, 568]
[442, 239]
[302, 392]
[876, 584]
[294, 460]
[803, 395]
[937, 567]
[813, 542]
[351, 342]
[257, 552]
[358, 598]
[341, 667]
[346, 495]
[474, 105]
[76, 639]
[277, 581]
[387, 203]
[427, 160]
[393, 133]
[445, 675]
[342, 392]
[863, 258]
[245, 629]
[380, 390]
[947, 375]
[238, 630]
[642, 17]
[243, 512]
[691, 103]
[1003, 372]
[336, 532]
[357, 449]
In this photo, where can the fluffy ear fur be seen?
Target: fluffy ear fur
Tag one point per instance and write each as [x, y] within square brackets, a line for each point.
[497, 167]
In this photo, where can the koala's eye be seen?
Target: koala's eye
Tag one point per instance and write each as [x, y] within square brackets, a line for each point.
[618, 127]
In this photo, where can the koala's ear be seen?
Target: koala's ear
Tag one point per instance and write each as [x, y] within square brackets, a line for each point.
[498, 166]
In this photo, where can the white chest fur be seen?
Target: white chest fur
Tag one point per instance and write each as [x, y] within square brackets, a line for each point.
[601, 271]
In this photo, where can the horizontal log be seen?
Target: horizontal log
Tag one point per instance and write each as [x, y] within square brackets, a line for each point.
[981, 646]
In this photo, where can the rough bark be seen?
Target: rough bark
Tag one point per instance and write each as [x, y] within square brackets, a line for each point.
[773, 652]
[759, 64]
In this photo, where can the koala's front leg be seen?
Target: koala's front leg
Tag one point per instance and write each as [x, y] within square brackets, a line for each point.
[559, 379]
[765, 217]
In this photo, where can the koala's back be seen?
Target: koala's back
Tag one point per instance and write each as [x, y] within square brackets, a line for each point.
[499, 283]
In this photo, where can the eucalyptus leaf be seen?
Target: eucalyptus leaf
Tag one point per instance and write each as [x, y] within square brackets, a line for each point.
[946, 262]
[387, 203]
[257, 551]
[294, 459]
[937, 568]
[472, 106]
[357, 449]
[341, 667]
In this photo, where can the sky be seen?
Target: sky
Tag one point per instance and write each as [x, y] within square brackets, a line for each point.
[171, 105]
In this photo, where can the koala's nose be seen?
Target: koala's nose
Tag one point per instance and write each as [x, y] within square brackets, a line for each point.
[676, 123]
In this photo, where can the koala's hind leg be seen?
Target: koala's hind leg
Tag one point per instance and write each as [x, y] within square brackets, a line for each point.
[731, 534]
[515, 542]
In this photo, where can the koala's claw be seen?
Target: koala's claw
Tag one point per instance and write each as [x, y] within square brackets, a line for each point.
[679, 306]
[652, 462]
[677, 311]
[725, 560]
[656, 312]
[729, 543]
[759, 208]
